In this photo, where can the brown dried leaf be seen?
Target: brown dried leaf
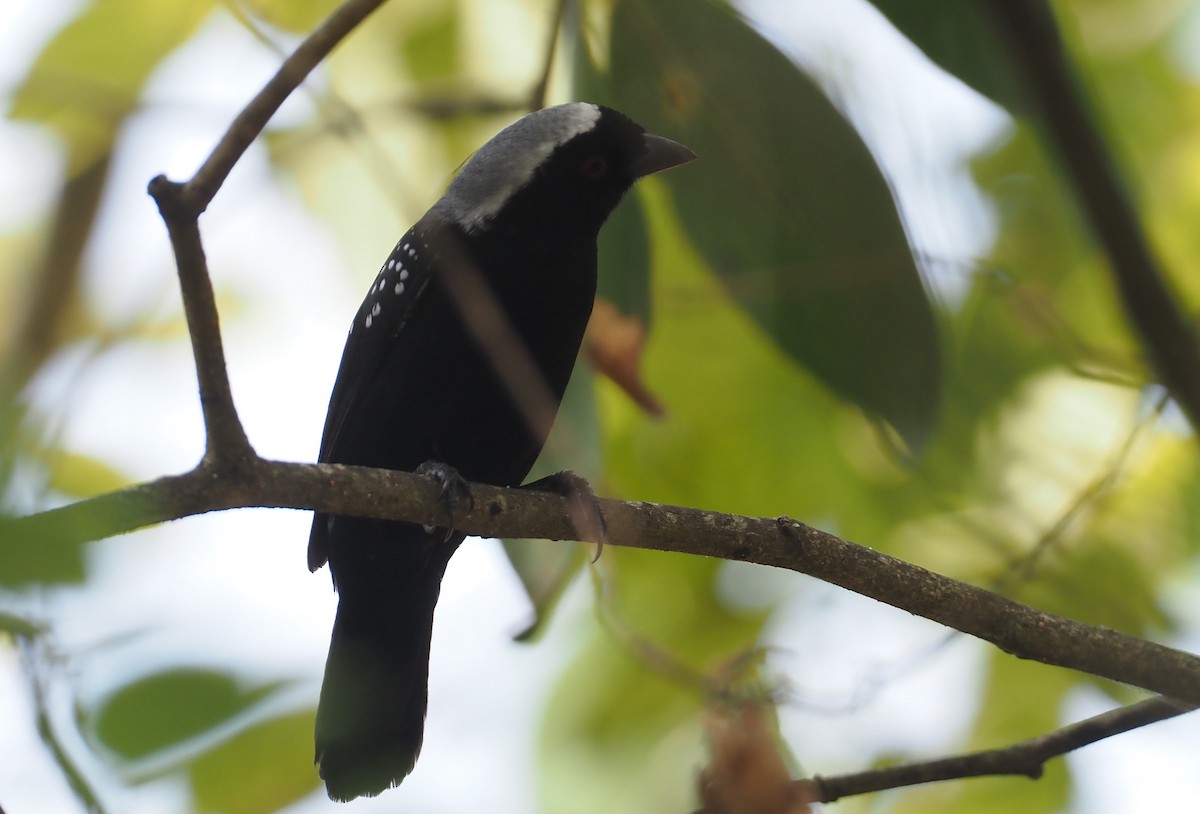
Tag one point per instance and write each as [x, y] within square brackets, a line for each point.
[746, 774]
[614, 344]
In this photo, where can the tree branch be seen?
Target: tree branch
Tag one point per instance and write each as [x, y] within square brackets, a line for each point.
[244, 129]
[181, 205]
[1015, 628]
[1038, 53]
[1026, 758]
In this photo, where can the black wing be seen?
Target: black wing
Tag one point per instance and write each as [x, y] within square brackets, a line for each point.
[377, 329]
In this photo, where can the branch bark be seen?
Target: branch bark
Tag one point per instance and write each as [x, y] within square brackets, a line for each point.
[232, 475]
[1027, 758]
[1015, 628]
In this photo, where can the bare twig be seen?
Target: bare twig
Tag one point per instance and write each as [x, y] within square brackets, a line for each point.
[254, 117]
[181, 206]
[34, 651]
[225, 438]
[1026, 758]
[537, 98]
[1037, 51]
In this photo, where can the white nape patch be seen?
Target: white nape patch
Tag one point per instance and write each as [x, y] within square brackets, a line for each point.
[508, 162]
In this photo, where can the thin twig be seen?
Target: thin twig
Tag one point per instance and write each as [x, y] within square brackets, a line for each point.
[225, 438]
[784, 543]
[537, 99]
[1027, 758]
[250, 122]
[79, 784]
[1037, 51]
[180, 206]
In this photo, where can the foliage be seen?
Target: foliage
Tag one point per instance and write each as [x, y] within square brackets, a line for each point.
[1001, 426]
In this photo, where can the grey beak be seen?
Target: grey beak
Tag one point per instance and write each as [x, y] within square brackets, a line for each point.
[659, 154]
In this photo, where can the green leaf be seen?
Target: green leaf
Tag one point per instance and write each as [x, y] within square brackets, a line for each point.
[962, 38]
[544, 569]
[38, 559]
[293, 15]
[431, 49]
[624, 259]
[77, 475]
[785, 203]
[88, 78]
[263, 768]
[624, 244]
[166, 709]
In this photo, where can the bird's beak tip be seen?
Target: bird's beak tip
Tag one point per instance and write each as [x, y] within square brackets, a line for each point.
[660, 154]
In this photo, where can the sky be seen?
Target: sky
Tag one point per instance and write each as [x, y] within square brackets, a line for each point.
[184, 586]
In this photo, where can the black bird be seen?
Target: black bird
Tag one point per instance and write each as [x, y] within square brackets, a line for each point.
[459, 355]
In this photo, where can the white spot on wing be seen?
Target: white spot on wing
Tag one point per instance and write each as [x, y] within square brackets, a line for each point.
[368, 320]
[399, 289]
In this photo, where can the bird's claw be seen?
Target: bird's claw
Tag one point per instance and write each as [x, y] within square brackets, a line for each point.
[582, 505]
[455, 490]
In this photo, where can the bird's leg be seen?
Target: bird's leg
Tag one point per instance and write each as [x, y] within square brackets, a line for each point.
[455, 489]
[582, 505]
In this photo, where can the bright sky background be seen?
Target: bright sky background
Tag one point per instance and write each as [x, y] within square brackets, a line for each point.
[232, 589]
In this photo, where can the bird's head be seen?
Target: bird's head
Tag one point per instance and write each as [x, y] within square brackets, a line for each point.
[563, 167]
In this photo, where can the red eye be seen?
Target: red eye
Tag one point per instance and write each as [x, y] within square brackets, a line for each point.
[594, 167]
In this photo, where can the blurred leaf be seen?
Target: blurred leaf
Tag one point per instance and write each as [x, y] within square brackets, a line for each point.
[545, 572]
[614, 345]
[41, 559]
[263, 768]
[1022, 700]
[963, 39]
[1101, 583]
[165, 709]
[88, 78]
[624, 723]
[18, 627]
[431, 48]
[624, 259]
[78, 476]
[292, 15]
[785, 203]
[743, 451]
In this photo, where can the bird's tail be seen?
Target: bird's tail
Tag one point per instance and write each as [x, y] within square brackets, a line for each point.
[371, 715]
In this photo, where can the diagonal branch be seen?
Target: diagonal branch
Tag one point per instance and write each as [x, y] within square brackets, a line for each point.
[244, 129]
[1026, 758]
[225, 438]
[181, 205]
[783, 543]
[1038, 53]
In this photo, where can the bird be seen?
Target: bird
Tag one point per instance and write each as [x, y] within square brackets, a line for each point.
[454, 366]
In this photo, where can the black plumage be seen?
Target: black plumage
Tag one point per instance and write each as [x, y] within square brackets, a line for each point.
[459, 354]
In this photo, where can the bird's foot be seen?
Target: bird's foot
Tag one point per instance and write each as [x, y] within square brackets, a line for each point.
[582, 505]
[455, 490]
